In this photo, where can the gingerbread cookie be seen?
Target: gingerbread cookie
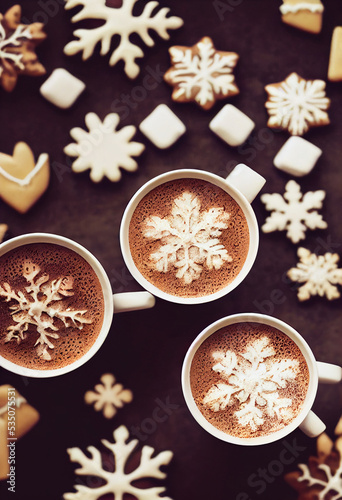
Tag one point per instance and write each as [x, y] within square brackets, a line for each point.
[306, 15]
[17, 48]
[201, 73]
[17, 417]
[3, 231]
[335, 60]
[22, 180]
[296, 104]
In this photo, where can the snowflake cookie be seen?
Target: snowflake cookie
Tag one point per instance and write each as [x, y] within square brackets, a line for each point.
[119, 482]
[293, 212]
[252, 381]
[119, 21]
[296, 104]
[39, 304]
[321, 477]
[319, 273]
[201, 73]
[104, 149]
[108, 396]
[17, 48]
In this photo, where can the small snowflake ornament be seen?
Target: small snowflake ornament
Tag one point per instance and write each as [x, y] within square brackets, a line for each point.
[119, 21]
[321, 477]
[17, 48]
[294, 212]
[108, 396]
[319, 273]
[119, 482]
[39, 304]
[189, 238]
[252, 381]
[296, 104]
[104, 149]
[201, 73]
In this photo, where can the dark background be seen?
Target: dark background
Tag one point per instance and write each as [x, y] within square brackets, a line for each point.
[145, 350]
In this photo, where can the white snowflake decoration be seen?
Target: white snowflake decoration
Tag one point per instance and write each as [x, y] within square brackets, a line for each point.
[297, 104]
[252, 379]
[119, 21]
[201, 73]
[293, 212]
[319, 273]
[20, 34]
[119, 483]
[39, 305]
[189, 238]
[104, 149]
[108, 396]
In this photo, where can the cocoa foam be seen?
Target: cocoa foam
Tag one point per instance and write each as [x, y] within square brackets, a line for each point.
[56, 262]
[160, 203]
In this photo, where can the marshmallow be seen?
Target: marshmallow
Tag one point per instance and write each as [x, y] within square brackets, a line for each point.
[162, 127]
[297, 156]
[62, 88]
[232, 125]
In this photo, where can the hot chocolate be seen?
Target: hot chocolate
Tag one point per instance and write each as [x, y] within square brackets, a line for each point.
[51, 306]
[249, 379]
[189, 237]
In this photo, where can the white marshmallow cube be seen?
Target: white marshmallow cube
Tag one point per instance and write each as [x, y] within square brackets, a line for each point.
[62, 88]
[162, 127]
[297, 156]
[232, 125]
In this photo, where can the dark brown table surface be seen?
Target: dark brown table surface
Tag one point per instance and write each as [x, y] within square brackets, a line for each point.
[145, 349]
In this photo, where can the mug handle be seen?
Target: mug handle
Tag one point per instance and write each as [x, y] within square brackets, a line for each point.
[133, 301]
[246, 180]
[313, 426]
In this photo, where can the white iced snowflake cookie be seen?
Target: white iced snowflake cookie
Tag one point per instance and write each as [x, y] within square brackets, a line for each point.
[319, 273]
[252, 380]
[108, 396]
[201, 73]
[189, 238]
[119, 482]
[293, 212]
[40, 306]
[296, 104]
[119, 21]
[104, 149]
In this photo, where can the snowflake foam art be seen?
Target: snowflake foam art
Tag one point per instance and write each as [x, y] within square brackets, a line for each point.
[201, 73]
[319, 273]
[321, 477]
[294, 212]
[189, 238]
[252, 379]
[297, 104]
[119, 482]
[104, 149]
[119, 21]
[39, 304]
[17, 48]
[108, 396]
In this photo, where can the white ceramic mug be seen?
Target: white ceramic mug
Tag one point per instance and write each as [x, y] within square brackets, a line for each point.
[120, 302]
[306, 420]
[242, 184]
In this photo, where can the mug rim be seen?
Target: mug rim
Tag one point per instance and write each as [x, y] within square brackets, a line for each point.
[251, 318]
[215, 180]
[41, 237]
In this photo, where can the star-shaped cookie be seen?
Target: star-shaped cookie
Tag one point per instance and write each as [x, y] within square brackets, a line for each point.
[201, 73]
[17, 48]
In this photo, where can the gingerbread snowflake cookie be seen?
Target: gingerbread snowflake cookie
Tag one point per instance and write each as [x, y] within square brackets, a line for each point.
[201, 73]
[306, 15]
[296, 104]
[17, 48]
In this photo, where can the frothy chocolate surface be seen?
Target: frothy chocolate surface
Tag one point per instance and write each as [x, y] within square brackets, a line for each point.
[249, 380]
[189, 238]
[80, 296]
